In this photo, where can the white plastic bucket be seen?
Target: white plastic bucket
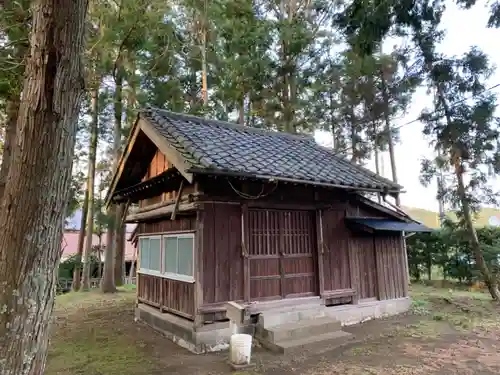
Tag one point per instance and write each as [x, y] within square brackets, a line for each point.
[240, 349]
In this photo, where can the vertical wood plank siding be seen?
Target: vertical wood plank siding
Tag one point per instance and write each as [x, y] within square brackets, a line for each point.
[337, 274]
[371, 264]
[390, 266]
[166, 294]
[187, 223]
[282, 250]
[222, 253]
[158, 165]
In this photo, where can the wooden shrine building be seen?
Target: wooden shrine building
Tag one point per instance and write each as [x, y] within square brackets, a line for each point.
[267, 219]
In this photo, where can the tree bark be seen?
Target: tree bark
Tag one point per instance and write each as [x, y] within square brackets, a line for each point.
[10, 139]
[108, 276]
[90, 188]
[489, 279]
[77, 272]
[119, 263]
[388, 131]
[35, 197]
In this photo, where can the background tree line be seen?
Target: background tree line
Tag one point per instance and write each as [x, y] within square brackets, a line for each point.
[447, 254]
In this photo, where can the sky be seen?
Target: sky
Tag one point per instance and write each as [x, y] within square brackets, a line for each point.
[465, 28]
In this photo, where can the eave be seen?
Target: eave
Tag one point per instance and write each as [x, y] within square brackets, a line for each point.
[143, 128]
[256, 176]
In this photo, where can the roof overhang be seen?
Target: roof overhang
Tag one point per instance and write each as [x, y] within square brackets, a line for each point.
[385, 225]
[393, 211]
[152, 187]
[269, 178]
[144, 127]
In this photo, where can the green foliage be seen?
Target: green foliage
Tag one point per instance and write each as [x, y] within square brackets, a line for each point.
[449, 250]
[468, 131]
[67, 267]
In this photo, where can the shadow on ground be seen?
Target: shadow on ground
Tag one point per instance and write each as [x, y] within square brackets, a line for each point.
[444, 333]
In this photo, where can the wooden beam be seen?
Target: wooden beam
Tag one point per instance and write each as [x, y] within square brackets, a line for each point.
[244, 252]
[353, 269]
[406, 279]
[172, 155]
[185, 198]
[177, 200]
[321, 251]
[125, 211]
[198, 267]
[163, 211]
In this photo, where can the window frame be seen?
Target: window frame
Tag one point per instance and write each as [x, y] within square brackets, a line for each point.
[162, 273]
[148, 271]
[172, 275]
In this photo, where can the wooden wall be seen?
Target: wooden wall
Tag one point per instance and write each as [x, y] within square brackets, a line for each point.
[181, 224]
[222, 255]
[158, 165]
[372, 265]
[391, 268]
[336, 237]
[167, 295]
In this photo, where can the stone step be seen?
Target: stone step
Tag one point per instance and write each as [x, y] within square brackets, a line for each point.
[277, 317]
[301, 329]
[331, 339]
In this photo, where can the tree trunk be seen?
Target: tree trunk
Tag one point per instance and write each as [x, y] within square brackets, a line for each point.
[108, 276]
[489, 279]
[241, 111]
[94, 133]
[118, 227]
[9, 140]
[77, 272]
[390, 141]
[204, 73]
[376, 156]
[35, 198]
[119, 246]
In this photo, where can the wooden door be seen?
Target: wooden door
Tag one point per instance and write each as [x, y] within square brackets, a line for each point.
[367, 266]
[281, 253]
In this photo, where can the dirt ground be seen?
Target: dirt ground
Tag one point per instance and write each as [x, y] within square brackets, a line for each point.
[445, 333]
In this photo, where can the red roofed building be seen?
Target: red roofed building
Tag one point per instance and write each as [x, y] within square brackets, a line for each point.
[69, 245]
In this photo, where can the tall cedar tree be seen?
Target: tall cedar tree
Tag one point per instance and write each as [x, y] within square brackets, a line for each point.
[94, 135]
[467, 137]
[14, 26]
[35, 198]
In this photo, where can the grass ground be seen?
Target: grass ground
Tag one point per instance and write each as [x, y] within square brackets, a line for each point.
[444, 333]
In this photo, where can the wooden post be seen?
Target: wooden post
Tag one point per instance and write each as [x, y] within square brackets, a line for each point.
[244, 253]
[406, 281]
[321, 251]
[138, 267]
[177, 200]
[198, 268]
[353, 269]
[380, 269]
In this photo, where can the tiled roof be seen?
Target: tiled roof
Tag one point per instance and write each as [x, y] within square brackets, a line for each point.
[217, 146]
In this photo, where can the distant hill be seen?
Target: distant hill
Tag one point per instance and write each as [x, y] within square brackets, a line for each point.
[431, 218]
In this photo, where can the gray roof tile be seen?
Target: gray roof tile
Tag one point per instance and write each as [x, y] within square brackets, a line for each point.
[220, 146]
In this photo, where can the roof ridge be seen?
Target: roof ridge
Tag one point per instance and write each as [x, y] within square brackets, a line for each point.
[231, 125]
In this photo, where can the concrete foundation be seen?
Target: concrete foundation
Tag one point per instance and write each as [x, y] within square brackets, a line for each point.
[215, 337]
